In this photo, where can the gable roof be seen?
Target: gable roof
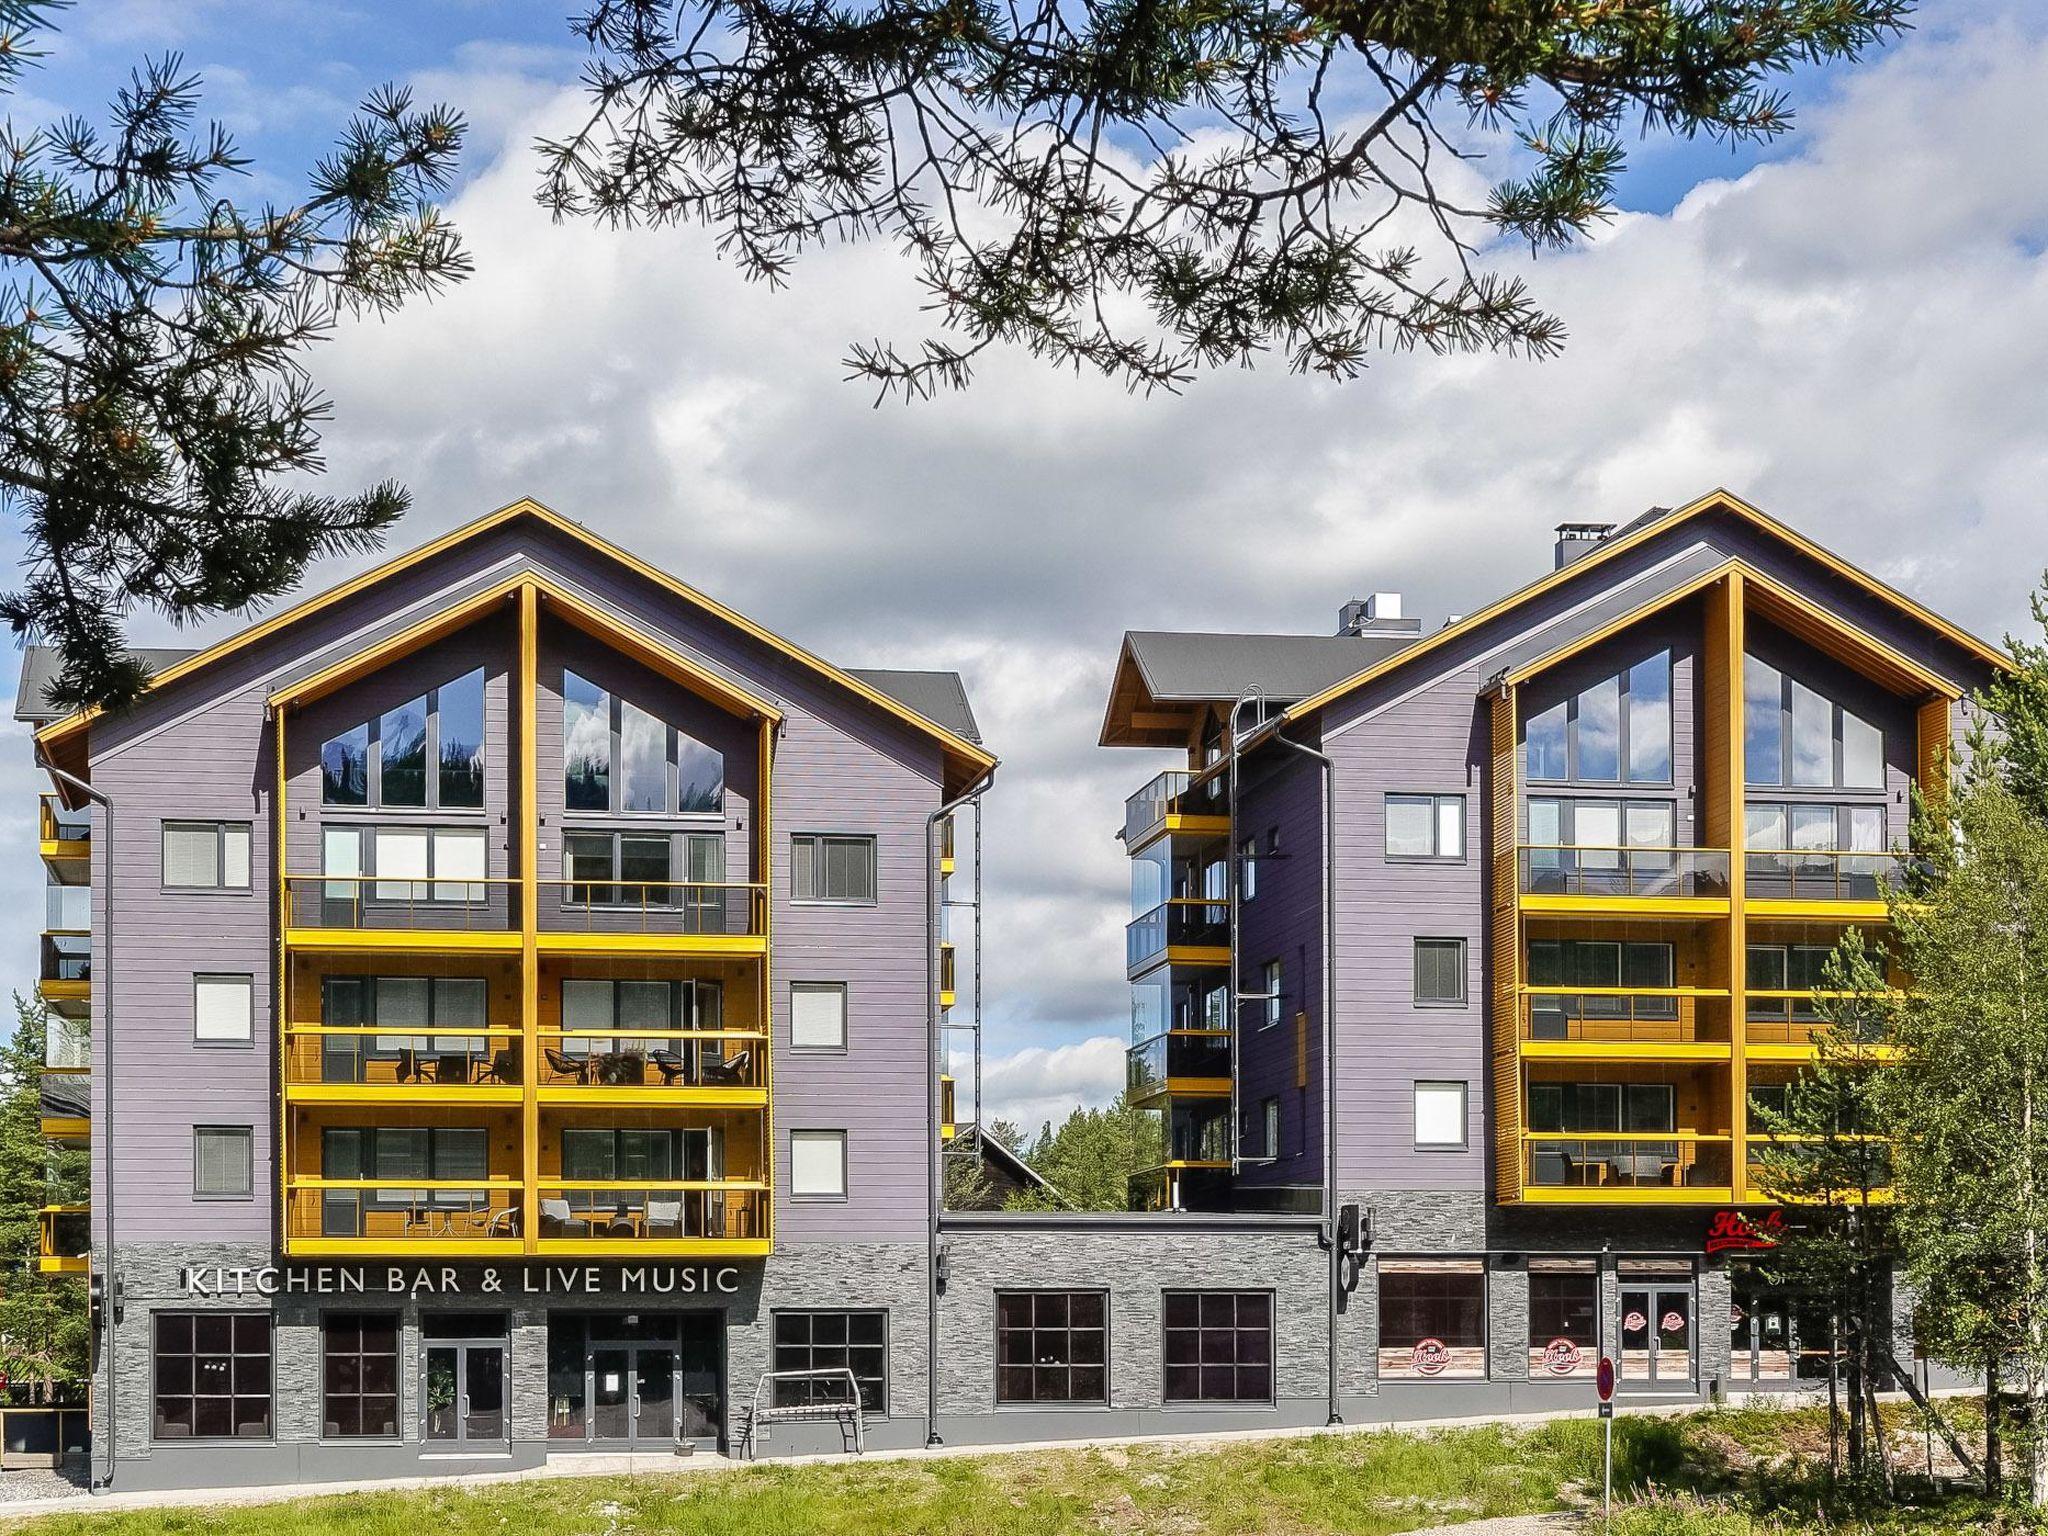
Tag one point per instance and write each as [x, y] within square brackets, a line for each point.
[1637, 532]
[964, 753]
[1170, 667]
[941, 697]
[40, 665]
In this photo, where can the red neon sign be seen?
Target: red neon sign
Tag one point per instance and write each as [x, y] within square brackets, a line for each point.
[1743, 1233]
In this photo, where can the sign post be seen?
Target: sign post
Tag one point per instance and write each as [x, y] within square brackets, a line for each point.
[1603, 1380]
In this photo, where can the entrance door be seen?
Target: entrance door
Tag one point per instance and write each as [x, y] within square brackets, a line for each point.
[1656, 1338]
[633, 1394]
[465, 1393]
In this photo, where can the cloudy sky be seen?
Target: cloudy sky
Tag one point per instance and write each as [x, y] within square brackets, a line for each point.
[1850, 329]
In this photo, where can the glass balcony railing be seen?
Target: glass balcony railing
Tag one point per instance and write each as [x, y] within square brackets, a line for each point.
[66, 1235]
[673, 1058]
[1172, 793]
[61, 825]
[1683, 873]
[334, 1054]
[1805, 874]
[1627, 1160]
[1664, 1016]
[653, 906]
[66, 1097]
[416, 906]
[67, 1044]
[67, 908]
[1190, 921]
[403, 1212]
[1149, 1066]
[653, 1210]
[67, 957]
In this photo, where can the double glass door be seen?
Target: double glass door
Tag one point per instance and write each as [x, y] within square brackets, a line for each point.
[641, 1379]
[1657, 1337]
[633, 1394]
[465, 1392]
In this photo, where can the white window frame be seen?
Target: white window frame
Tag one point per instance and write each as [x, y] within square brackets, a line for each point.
[817, 1138]
[818, 989]
[1463, 1091]
[1273, 980]
[225, 982]
[1439, 803]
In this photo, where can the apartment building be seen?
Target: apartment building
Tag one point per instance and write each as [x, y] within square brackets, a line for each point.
[505, 997]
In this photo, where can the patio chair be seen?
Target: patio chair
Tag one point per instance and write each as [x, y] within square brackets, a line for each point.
[671, 1067]
[555, 1218]
[664, 1218]
[731, 1071]
[503, 1068]
[565, 1065]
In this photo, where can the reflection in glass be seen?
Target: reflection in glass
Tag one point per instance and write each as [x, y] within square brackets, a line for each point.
[1599, 732]
[1763, 725]
[643, 760]
[586, 745]
[700, 776]
[1649, 720]
[1862, 753]
[402, 753]
[345, 768]
[1813, 744]
[460, 706]
[1545, 745]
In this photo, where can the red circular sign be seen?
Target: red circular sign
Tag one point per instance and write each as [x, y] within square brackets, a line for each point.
[1603, 1379]
[1429, 1357]
[1672, 1321]
[1561, 1357]
[1635, 1322]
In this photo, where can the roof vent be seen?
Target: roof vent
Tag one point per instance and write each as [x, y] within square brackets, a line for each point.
[1577, 540]
[1379, 614]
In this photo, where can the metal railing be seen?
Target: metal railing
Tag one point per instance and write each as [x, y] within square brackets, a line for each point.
[1813, 874]
[1184, 920]
[374, 1054]
[1174, 792]
[418, 906]
[657, 1058]
[653, 906]
[1627, 1160]
[1148, 1066]
[1584, 870]
[56, 824]
[403, 1211]
[1650, 1015]
[66, 957]
[653, 1210]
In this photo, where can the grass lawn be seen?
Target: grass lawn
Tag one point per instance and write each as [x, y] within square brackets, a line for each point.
[1711, 1474]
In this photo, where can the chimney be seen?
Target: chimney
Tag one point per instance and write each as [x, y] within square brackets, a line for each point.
[1379, 614]
[1577, 540]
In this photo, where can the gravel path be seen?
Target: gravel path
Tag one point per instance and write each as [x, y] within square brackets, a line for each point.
[1511, 1525]
[39, 1483]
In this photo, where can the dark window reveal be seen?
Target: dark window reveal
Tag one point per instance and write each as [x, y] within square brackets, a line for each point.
[819, 1341]
[1052, 1347]
[1219, 1346]
[212, 1375]
[360, 1382]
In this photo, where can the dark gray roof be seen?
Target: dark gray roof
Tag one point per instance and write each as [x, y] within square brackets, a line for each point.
[1185, 666]
[939, 696]
[39, 664]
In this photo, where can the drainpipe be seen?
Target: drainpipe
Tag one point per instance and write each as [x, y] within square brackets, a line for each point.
[1329, 1049]
[1234, 888]
[112, 1291]
[934, 1185]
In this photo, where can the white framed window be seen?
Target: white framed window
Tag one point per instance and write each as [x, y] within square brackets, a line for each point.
[223, 1162]
[817, 1165]
[1271, 981]
[1248, 869]
[1269, 1123]
[1426, 827]
[206, 855]
[817, 1015]
[1440, 1115]
[223, 1009]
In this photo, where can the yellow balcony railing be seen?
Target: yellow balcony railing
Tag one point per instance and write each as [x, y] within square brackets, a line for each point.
[1627, 1160]
[1619, 1015]
[64, 833]
[654, 1058]
[731, 909]
[371, 1055]
[1671, 874]
[1174, 797]
[949, 967]
[404, 1213]
[626, 1211]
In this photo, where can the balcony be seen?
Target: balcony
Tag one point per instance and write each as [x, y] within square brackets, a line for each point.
[1796, 881]
[361, 1216]
[949, 968]
[1628, 1167]
[654, 1216]
[599, 915]
[350, 1063]
[66, 1104]
[67, 908]
[1185, 1062]
[1185, 923]
[1173, 802]
[65, 835]
[66, 971]
[66, 1239]
[1643, 880]
[67, 1045]
[705, 1066]
[361, 911]
[1614, 1023]
[1785, 1025]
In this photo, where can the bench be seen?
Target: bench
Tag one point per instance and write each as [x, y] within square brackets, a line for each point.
[832, 1397]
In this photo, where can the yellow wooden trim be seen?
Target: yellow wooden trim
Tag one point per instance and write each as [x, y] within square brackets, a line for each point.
[1676, 1052]
[1805, 609]
[64, 1264]
[1799, 1055]
[1725, 652]
[435, 626]
[1527, 991]
[1614, 548]
[66, 1071]
[1820, 911]
[698, 679]
[525, 507]
[66, 850]
[65, 991]
[314, 1181]
[403, 1248]
[529, 904]
[764, 873]
[1699, 1194]
[656, 1248]
[1192, 954]
[1625, 906]
[736, 944]
[1636, 615]
[423, 940]
[285, 1157]
[66, 1127]
[402, 1093]
[678, 1099]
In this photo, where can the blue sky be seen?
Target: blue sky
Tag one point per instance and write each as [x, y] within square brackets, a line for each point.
[1849, 328]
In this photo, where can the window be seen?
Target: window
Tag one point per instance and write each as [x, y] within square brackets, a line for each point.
[1440, 1115]
[223, 1162]
[1432, 1319]
[417, 1013]
[1781, 968]
[826, 1341]
[1814, 828]
[1440, 972]
[1219, 1346]
[1425, 826]
[1052, 1347]
[642, 1154]
[1614, 729]
[832, 867]
[618, 757]
[359, 1375]
[1796, 735]
[206, 855]
[1564, 1318]
[1272, 1004]
[222, 1009]
[426, 1153]
[817, 1015]
[1601, 825]
[211, 1375]
[635, 869]
[1601, 1108]
[626, 1015]
[1269, 1127]
[1248, 869]
[427, 752]
[409, 864]
[817, 1165]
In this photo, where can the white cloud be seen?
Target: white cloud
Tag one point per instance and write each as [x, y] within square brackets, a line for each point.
[1034, 1085]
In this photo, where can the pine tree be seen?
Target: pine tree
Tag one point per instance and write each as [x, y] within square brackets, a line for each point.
[1152, 189]
[45, 1333]
[1091, 1157]
[155, 415]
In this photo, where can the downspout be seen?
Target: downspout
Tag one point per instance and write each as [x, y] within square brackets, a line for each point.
[112, 1290]
[934, 1184]
[1329, 1050]
[1234, 888]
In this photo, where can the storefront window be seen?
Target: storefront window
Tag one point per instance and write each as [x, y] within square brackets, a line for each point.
[360, 1369]
[212, 1375]
[567, 1344]
[1052, 1347]
[818, 1341]
[1759, 1331]
[1564, 1319]
[1432, 1320]
[1219, 1347]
